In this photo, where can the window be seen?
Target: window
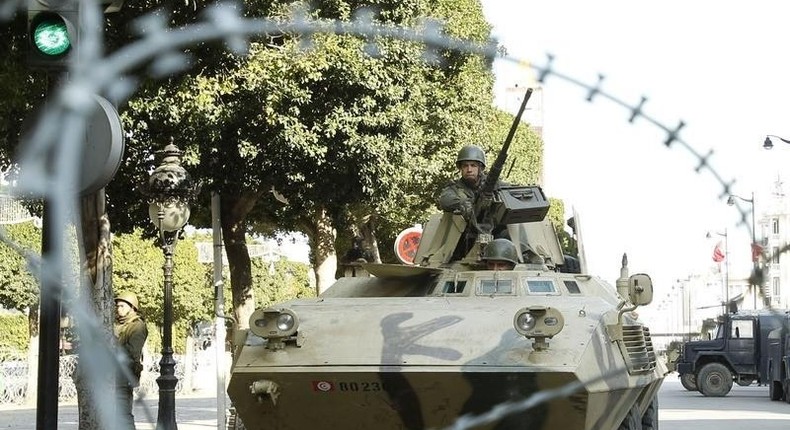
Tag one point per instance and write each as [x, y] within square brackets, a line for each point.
[540, 286]
[742, 329]
[775, 255]
[572, 287]
[452, 287]
[775, 225]
[496, 286]
[777, 290]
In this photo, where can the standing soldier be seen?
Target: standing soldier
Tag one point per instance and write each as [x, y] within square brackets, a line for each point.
[131, 334]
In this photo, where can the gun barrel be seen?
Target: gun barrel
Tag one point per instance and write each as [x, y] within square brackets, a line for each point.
[496, 168]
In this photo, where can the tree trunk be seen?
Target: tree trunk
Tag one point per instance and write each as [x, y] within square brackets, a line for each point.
[322, 234]
[96, 249]
[368, 232]
[233, 214]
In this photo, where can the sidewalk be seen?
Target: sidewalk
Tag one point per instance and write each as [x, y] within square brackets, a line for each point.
[196, 411]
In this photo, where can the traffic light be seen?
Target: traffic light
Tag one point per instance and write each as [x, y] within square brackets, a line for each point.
[53, 32]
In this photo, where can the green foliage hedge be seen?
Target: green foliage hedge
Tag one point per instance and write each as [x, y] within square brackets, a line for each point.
[15, 332]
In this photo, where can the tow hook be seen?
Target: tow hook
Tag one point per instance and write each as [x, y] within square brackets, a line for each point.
[265, 388]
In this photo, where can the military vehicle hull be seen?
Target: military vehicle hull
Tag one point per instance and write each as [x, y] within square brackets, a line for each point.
[396, 362]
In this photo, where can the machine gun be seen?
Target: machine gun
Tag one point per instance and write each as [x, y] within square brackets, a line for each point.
[498, 204]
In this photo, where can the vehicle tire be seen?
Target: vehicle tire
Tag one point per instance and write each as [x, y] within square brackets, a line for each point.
[775, 390]
[786, 386]
[744, 382]
[631, 421]
[688, 381]
[714, 380]
[650, 418]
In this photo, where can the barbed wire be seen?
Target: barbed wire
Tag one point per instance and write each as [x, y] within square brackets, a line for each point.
[50, 155]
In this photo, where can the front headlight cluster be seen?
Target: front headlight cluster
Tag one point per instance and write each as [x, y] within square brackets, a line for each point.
[538, 323]
[275, 325]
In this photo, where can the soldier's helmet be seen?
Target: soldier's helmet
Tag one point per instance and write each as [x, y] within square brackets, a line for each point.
[500, 250]
[471, 153]
[129, 298]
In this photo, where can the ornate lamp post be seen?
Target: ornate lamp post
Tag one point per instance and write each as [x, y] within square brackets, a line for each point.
[170, 189]
[767, 144]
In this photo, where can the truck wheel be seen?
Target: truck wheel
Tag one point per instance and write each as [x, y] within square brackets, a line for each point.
[786, 385]
[650, 418]
[775, 390]
[714, 380]
[688, 381]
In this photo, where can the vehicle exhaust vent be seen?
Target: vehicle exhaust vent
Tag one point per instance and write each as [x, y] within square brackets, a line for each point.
[637, 348]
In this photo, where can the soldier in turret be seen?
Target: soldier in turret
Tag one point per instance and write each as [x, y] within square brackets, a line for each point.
[459, 196]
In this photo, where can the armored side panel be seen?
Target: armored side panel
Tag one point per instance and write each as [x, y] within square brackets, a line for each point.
[541, 238]
[439, 239]
[519, 204]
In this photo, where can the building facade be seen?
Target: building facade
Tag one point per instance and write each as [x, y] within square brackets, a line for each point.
[775, 226]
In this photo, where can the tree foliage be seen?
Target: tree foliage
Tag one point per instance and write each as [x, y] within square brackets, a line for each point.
[136, 268]
[360, 139]
[278, 281]
[19, 285]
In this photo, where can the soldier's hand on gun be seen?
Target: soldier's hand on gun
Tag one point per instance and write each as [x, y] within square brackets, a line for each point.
[467, 210]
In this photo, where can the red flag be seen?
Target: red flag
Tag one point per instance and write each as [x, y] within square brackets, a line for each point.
[757, 251]
[718, 255]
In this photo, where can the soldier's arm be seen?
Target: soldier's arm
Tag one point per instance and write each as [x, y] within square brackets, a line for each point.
[451, 200]
[136, 342]
[455, 200]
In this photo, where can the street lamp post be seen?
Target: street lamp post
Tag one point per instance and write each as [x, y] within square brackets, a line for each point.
[731, 201]
[726, 271]
[170, 189]
[767, 144]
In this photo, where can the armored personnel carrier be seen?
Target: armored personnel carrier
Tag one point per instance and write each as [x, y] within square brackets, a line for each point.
[445, 342]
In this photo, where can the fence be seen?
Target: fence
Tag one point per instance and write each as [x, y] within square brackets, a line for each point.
[14, 375]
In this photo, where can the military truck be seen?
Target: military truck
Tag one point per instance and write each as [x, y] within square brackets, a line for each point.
[737, 353]
[444, 341]
[779, 361]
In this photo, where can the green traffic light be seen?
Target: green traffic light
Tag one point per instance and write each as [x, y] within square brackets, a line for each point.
[51, 36]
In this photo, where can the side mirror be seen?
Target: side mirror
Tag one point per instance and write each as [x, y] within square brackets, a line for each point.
[640, 289]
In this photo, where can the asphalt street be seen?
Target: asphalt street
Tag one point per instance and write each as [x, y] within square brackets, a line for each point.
[197, 411]
[744, 407]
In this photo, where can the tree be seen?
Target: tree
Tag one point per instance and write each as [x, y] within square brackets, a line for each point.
[351, 141]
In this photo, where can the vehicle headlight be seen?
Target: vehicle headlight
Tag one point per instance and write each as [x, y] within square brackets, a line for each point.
[273, 323]
[285, 322]
[538, 323]
[524, 322]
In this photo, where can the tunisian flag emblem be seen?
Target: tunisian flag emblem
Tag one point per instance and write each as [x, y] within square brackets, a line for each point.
[718, 254]
[323, 386]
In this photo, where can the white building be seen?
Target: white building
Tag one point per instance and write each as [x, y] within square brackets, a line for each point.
[775, 226]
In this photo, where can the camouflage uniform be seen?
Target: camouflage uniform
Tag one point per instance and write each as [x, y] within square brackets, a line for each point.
[458, 197]
[131, 334]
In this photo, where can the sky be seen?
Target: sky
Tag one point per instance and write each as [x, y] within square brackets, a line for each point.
[719, 66]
